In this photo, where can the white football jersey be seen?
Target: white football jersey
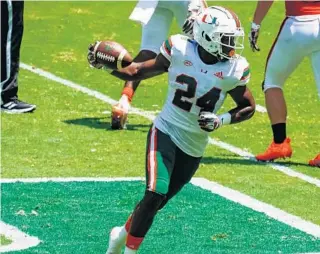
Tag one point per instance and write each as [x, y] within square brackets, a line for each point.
[195, 86]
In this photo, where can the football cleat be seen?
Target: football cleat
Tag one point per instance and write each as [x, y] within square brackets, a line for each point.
[116, 242]
[315, 162]
[276, 151]
[17, 107]
[118, 118]
[120, 113]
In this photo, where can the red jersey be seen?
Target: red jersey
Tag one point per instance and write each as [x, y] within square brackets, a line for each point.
[300, 8]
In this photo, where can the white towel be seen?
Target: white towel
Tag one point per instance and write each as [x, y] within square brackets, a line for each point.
[143, 11]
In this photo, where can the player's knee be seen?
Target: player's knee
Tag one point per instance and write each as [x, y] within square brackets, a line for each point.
[267, 85]
[152, 201]
[144, 55]
[174, 189]
[163, 203]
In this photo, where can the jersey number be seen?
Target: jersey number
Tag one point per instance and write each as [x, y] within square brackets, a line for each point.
[206, 102]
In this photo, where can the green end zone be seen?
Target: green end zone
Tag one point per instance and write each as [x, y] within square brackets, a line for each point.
[76, 217]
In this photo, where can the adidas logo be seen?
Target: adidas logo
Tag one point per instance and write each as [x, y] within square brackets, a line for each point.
[219, 75]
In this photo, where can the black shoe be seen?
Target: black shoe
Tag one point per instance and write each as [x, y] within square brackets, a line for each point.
[16, 107]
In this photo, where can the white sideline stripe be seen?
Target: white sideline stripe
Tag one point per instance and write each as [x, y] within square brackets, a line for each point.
[147, 114]
[70, 179]
[20, 240]
[83, 89]
[230, 194]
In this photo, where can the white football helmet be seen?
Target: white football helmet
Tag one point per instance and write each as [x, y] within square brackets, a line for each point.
[218, 30]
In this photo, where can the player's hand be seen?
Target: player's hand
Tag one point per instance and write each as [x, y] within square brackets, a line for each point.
[193, 10]
[187, 27]
[92, 57]
[208, 121]
[253, 36]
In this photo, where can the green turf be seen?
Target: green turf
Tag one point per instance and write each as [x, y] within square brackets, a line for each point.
[4, 241]
[68, 223]
[69, 134]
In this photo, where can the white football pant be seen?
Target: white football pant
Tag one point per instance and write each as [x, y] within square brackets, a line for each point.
[298, 37]
[156, 31]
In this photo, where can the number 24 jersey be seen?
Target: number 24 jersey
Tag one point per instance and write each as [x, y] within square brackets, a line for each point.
[195, 86]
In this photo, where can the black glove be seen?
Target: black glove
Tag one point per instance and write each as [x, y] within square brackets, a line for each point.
[253, 37]
[209, 121]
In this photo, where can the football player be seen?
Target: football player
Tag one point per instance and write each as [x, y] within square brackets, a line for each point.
[156, 17]
[299, 37]
[201, 73]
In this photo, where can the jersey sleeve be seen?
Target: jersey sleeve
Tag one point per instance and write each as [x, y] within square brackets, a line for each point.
[166, 48]
[243, 73]
[245, 76]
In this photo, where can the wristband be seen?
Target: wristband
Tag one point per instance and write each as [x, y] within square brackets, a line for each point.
[255, 26]
[225, 118]
[128, 91]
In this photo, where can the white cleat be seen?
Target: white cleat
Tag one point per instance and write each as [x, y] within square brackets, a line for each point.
[116, 241]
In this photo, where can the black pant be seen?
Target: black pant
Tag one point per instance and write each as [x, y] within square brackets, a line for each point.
[168, 168]
[11, 37]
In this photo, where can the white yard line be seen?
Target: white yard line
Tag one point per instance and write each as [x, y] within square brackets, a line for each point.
[230, 194]
[149, 115]
[254, 204]
[261, 109]
[20, 240]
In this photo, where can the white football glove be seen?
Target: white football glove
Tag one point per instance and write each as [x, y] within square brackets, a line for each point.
[253, 36]
[188, 27]
[208, 121]
[193, 11]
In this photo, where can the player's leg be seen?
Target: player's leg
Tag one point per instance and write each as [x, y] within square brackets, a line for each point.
[180, 11]
[315, 60]
[11, 37]
[160, 158]
[120, 110]
[184, 169]
[282, 60]
[154, 33]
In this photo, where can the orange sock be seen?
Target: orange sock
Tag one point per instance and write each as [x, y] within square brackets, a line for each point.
[128, 91]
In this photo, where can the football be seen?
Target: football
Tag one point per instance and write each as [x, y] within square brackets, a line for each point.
[112, 54]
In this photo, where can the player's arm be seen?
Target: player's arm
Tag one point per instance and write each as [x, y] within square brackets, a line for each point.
[260, 13]
[243, 111]
[261, 10]
[245, 105]
[143, 70]
[150, 68]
